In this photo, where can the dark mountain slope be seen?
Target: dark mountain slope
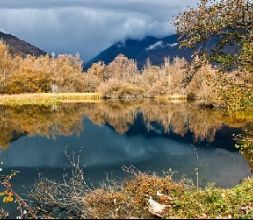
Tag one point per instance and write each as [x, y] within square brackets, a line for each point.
[20, 47]
[156, 49]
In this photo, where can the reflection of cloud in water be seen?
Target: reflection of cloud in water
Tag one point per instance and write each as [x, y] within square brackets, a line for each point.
[105, 148]
[102, 146]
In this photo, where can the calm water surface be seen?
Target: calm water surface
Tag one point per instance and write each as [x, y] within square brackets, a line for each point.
[154, 137]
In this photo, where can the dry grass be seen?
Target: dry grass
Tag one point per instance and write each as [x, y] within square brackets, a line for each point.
[174, 97]
[181, 200]
[48, 98]
[135, 198]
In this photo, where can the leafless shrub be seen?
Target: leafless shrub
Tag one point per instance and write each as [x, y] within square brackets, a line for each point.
[62, 199]
[3, 214]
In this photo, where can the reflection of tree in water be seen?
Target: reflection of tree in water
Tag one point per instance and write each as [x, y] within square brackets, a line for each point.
[66, 120]
[38, 120]
[182, 118]
[119, 115]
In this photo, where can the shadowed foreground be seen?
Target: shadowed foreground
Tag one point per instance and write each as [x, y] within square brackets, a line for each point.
[150, 196]
[143, 196]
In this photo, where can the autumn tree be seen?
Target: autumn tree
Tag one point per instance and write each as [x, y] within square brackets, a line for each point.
[123, 68]
[68, 73]
[31, 76]
[98, 70]
[40, 74]
[7, 65]
[228, 23]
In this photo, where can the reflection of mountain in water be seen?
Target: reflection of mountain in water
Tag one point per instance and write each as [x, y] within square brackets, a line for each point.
[223, 137]
[147, 117]
[150, 135]
[106, 151]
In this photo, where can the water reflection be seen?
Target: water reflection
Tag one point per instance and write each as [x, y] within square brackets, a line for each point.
[66, 120]
[151, 135]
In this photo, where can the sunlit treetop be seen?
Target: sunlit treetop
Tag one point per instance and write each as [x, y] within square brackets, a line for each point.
[229, 22]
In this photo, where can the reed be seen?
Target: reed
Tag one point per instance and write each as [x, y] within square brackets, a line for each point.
[48, 98]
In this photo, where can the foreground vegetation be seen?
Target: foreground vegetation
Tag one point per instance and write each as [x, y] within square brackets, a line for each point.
[142, 196]
[162, 197]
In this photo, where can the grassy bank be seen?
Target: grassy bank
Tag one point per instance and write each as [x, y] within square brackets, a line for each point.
[143, 196]
[56, 98]
[149, 196]
[48, 98]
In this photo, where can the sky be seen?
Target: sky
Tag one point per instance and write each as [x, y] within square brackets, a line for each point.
[87, 26]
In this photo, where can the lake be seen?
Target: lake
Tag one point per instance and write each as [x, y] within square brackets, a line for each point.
[152, 136]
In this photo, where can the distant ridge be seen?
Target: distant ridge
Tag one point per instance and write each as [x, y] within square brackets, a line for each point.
[156, 49]
[20, 47]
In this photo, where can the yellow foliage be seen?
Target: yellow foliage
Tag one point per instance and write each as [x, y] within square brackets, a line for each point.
[39, 74]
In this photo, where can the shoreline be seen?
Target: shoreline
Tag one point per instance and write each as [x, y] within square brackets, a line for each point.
[58, 98]
[48, 98]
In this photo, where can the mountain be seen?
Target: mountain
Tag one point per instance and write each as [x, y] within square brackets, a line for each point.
[20, 47]
[156, 49]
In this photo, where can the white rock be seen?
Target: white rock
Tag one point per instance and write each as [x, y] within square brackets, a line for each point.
[156, 208]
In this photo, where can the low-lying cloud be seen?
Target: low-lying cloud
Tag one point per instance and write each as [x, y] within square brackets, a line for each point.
[87, 26]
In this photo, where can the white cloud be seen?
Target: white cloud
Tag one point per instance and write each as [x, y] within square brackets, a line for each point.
[86, 26]
[2, 30]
